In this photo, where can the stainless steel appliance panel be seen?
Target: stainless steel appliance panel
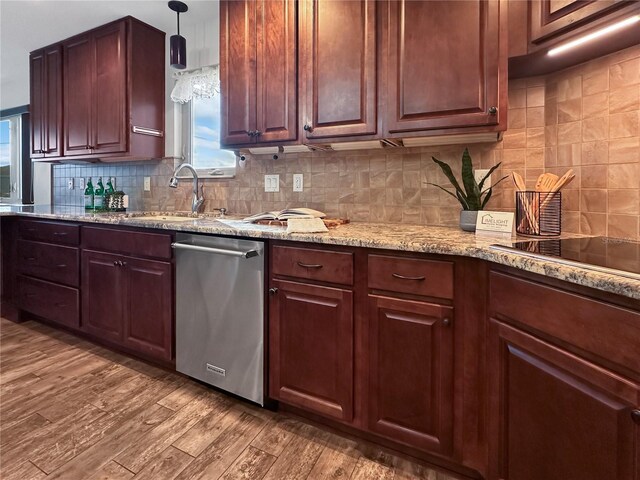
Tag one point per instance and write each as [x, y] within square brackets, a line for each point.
[220, 313]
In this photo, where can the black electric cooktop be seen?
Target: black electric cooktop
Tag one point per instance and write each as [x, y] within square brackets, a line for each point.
[609, 255]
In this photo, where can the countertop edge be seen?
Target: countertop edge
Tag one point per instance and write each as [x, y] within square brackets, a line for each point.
[369, 235]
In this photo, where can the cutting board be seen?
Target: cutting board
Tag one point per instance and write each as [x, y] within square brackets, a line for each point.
[329, 222]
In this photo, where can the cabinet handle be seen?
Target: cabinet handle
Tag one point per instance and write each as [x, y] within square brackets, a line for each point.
[635, 415]
[60, 234]
[493, 110]
[61, 305]
[446, 321]
[273, 291]
[115, 263]
[404, 277]
[62, 265]
[123, 264]
[309, 265]
[30, 259]
[307, 127]
[257, 133]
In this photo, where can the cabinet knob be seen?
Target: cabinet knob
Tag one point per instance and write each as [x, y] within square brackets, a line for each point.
[446, 321]
[635, 415]
[115, 263]
[273, 291]
[307, 127]
[493, 110]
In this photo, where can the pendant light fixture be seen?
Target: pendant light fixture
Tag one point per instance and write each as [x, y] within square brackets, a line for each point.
[177, 43]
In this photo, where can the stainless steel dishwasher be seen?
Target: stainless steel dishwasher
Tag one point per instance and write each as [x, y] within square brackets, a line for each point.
[220, 312]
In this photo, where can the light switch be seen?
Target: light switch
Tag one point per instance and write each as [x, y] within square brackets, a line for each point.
[298, 182]
[81, 184]
[147, 184]
[272, 183]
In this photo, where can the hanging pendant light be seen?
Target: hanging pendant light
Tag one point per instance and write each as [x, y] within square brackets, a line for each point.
[177, 43]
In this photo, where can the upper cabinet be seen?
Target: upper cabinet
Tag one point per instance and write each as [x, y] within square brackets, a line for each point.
[46, 102]
[537, 26]
[444, 64]
[367, 70]
[110, 95]
[258, 58]
[553, 17]
[338, 45]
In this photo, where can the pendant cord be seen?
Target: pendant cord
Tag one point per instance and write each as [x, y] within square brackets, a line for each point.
[178, 22]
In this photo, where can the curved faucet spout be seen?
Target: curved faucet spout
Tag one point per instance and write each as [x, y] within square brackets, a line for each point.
[198, 198]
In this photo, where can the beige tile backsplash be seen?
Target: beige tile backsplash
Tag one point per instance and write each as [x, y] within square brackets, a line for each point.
[586, 118]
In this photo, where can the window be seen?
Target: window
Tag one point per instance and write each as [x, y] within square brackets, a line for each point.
[10, 158]
[202, 134]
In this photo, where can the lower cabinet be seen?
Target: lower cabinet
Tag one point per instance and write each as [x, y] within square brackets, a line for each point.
[411, 372]
[102, 295]
[555, 416]
[311, 335]
[128, 301]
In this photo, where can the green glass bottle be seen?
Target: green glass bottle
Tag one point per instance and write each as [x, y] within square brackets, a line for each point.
[110, 190]
[88, 195]
[98, 197]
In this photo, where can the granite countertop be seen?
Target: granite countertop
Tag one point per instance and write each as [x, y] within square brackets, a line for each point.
[411, 238]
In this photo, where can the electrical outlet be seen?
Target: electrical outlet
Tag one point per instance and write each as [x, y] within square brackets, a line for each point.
[272, 183]
[70, 184]
[81, 184]
[298, 182]
[479, 175]
[147, 184]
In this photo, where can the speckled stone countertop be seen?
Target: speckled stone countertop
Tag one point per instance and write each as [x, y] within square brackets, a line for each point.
[411, 238]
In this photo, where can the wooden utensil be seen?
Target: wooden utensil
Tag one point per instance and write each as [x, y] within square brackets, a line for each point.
[546, 182]
[519, 181]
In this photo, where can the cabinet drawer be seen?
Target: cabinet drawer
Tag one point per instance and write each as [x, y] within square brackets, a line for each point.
[49, 262]
[608, 331]
[430, 278]
[48, 300]
[321, 265]
[133, 243]
[54, 232]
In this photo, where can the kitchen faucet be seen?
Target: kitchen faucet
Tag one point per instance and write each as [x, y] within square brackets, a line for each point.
[173, 183]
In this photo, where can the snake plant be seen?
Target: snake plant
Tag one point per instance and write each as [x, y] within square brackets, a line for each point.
[472, 197]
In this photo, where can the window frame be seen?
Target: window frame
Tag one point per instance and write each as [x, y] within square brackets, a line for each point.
[15, 175]
[187, 149]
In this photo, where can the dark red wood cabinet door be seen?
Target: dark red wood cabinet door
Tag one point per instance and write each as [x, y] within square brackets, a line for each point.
[443, 64]
[311, 340]
[52, 128]
[553, 17]
[103, 295]
[78, 95]
[411, 372]
[555, 416]
[238, 71]
[109, 125]
[276, 74]
[36, 103]
[148, 312]
[339, 69]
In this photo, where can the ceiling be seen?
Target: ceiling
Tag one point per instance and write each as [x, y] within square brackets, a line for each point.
[26, 25]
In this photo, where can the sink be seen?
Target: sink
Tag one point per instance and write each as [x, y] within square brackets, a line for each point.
[163, 218]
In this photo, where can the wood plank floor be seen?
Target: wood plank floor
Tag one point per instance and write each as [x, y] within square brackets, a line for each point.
[72, 410]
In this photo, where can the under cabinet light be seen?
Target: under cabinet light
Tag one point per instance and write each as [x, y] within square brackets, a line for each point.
[592, 36]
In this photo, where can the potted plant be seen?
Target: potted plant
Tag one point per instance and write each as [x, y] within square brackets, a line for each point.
[472, 198]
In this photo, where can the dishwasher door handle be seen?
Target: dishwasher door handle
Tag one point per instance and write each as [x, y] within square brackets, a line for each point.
[220, 251]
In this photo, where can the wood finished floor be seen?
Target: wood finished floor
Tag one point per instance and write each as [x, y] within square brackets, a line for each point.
[72, 410]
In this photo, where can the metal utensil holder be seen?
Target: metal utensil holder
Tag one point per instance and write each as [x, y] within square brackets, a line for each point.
[539, 213]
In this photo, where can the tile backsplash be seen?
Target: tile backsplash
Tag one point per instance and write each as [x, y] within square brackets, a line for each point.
[586, 118]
